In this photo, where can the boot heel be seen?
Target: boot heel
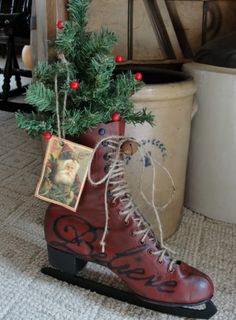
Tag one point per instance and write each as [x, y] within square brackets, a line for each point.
[64, 261]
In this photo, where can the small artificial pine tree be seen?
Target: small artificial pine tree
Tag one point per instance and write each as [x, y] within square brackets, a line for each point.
[80, 89]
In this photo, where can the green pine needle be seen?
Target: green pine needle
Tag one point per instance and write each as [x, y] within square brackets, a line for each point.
[41, 97]
[69, 46]
[101, 42]
[35, 124]
[78, 12]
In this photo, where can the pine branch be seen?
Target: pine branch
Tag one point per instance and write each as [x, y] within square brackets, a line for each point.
[101, 42]
[140, 117]
[94, 51]
[43, 72]
[66, 41]
[125, 85]
[78, 122]
[35, 124]
[41, 97]
[78, 12]
[99, 73]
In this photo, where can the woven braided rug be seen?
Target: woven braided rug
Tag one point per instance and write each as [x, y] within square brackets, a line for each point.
[27, 294]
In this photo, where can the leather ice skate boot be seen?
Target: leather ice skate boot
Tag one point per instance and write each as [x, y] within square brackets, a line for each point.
[108, 229]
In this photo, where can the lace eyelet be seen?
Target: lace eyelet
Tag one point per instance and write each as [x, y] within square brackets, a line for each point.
[141, 242]
[105, 143]
[132, 234]
[109, 194]
[150, 252]
[113, 204]
[106, 157]
[101, 131]
[171, 271]
[160, 261]
[126, 222]
[106, 169]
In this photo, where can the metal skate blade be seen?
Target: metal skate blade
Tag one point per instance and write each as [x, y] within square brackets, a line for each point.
[129, 297]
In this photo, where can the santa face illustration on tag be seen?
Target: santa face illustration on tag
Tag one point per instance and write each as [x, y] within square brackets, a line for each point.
[66, 171]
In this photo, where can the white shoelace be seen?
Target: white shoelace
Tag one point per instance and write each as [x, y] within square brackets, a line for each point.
[115, 178]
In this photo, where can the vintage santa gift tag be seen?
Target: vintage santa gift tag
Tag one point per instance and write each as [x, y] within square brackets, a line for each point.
[64, 172]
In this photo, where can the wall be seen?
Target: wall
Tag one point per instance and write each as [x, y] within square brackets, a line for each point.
[182, 20]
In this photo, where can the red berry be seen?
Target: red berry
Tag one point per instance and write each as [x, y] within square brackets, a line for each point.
[74, 85]
[119, 59]
[138, 76]
[47, 135]
[115, 116]
[60, 24]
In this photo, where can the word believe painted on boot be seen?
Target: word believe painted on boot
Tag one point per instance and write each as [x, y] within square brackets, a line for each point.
[76, 241]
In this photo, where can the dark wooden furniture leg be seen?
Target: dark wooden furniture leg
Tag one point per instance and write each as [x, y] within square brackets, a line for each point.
[8, 69]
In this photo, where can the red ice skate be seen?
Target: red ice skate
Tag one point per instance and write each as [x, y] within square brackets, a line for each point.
[124, 243]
